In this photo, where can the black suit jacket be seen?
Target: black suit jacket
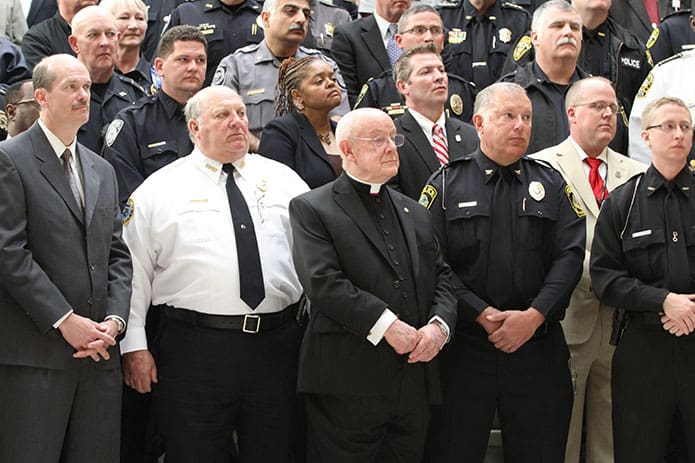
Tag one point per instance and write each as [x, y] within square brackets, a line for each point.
[291, 140]
[359, 51]
[418, 161]
[52, 258]
[632, 15]
[41, 10]
[343, 264]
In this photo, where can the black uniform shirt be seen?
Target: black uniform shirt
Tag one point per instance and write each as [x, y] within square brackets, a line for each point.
[596, 52]
[547, 234]
[144, 138]
[673, 35]
[144, 75]
[632, 271]
[226, 28]
[45, 39]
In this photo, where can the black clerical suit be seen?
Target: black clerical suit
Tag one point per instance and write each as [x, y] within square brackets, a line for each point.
[515, 239]
[357, 255]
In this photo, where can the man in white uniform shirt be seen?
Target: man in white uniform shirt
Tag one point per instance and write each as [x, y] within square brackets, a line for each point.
[227, 346]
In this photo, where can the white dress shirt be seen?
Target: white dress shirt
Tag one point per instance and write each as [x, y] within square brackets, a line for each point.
[179, 229]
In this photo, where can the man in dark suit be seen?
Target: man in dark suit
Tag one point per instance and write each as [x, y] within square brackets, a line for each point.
[431, 138]
[633, 14]
[369, 263]
[64, 283]
[367, 47]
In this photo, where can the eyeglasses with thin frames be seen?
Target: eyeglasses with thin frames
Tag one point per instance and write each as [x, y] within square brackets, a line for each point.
[600, 106]
[382, 140]
[422, 30]
[670, 126]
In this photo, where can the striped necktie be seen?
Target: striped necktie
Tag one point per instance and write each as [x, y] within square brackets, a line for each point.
[439, 144]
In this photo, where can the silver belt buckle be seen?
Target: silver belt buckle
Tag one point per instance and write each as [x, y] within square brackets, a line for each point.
[252, 317]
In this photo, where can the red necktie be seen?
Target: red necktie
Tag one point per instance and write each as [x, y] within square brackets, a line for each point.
[439, 144]
[596, 181]
[652, 10]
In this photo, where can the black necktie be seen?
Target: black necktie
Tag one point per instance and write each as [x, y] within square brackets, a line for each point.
[67, 154]
[250, 270]
[499, 279]
[481, 50]
[678, 272]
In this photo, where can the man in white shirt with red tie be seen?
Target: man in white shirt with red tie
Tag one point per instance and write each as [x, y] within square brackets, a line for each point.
[211, 244]
[592, 170]
[431, 137]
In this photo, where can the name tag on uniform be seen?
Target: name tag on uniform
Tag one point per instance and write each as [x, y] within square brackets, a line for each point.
[154, 145]
[468, 204]
[641, 233]
[258, 91]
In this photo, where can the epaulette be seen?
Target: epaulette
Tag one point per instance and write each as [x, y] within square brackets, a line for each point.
[670, 58]
[310, 51]
[129, 81]
[453, 4]
[144, 101]
[248, 48]
[208, 6]
[461, 79]
[513, 6]
[685, 11]
[453, 162]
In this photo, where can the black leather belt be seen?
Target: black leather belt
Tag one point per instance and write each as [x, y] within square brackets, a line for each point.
[249, 323]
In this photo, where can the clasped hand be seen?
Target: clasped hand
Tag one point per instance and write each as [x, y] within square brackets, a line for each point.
[89, 338]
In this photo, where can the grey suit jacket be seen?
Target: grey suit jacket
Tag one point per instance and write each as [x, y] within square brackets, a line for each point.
[417, 158]
[53, 258]
[344, 266]
[359, 51]
[582, 313]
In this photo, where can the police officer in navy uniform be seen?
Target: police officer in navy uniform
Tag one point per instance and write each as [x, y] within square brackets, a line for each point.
[676, 33]
[481, 34]
[608, 50]
[325, 16]
[158, 15]
[94, 40]
[514, 235]
[416, 27]
[226, 24]
[152, 133]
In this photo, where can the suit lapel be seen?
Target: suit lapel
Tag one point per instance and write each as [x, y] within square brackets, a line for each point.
[52, 170]
[347, 198]
[311, 139]
[641, 12]
[374, 42]
[617, 170]
[573, 170]
[405, 218]
[90, 180]
[419, 141]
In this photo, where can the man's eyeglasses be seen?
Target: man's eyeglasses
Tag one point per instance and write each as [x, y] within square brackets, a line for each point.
[26, 100]
[422, 30]
[669, 127]
[382, 141]
[600, 106]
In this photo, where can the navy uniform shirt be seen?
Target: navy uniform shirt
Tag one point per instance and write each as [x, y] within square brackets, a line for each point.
[105, 102]
[381, 92]
[547, 234]
[226, 28]
[13, 66]
[45, 39]
[673, 36]
[144, 138]
[145, 76]
[477, 52]
[158, 15]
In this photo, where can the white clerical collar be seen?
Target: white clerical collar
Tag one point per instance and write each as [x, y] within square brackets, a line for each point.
[374, 188]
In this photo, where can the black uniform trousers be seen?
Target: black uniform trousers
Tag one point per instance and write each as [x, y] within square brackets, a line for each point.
[653, 378]
[531, 389]
[363, 429]
[215, 382]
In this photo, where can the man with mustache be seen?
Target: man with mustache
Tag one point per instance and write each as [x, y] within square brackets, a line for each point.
[556, 34]
[211, 244]
[514, 236]
[93, 39]
[252, 71]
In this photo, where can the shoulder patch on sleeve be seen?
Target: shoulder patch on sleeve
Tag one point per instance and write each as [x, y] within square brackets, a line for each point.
[113, 131]
[127, 212]
[522, 47]
[429, 193]
[646, 85]
[363, 92]
[653, 37]
[573, 202]
[220, 74]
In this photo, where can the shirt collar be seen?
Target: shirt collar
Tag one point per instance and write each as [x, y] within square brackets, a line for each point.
[374, 188]
[683, 181]
[582, 155]
[426, 124]
[383, 26]
[172, 107]
[57, 145]
[489, 167]
[212, 168]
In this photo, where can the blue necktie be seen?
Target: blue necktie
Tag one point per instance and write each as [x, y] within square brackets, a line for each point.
[392, 49]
